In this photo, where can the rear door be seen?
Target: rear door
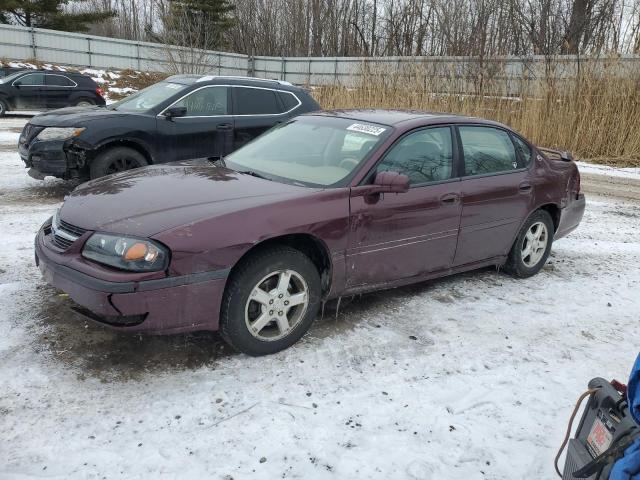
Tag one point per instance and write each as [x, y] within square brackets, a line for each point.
[206, 131]
[255, 110]
[497, 193]
[29, 91]
[58, 89]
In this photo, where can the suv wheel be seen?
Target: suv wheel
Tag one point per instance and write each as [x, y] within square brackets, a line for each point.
[3, 108]
[532, 246]
[114, 160]
[84, 102]
[270, 301]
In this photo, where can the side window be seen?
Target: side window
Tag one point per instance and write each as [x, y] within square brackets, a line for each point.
[59, 81]
[33, 79]
[524, 151]
[487, 150]
[289, 100]
[206, 102]
[424, 156]
[256, 101]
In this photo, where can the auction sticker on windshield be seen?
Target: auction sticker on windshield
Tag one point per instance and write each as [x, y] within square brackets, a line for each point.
[370, 129]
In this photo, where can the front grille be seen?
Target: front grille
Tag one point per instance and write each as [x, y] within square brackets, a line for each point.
[64, 234]
[71, 229]
[61, 242]
[29, 132]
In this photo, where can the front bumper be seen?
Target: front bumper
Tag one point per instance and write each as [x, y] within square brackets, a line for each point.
[47, 157]
[165, 305]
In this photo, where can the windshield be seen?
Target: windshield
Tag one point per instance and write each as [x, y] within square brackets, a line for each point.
[148, 98]
[311, 150]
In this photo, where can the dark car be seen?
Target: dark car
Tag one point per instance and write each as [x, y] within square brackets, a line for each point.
[44, 90]
[325, 205]
[183, 117]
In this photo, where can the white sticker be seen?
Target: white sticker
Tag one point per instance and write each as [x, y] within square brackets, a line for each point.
[370, 129]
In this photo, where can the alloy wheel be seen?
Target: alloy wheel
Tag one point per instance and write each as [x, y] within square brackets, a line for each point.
[276, 305]
[121, 164]
[534, 244]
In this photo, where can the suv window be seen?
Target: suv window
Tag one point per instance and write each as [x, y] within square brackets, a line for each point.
[289, 100]
[487, 150]
[32, 79]
[424, 156]
[59, 81]
[256, 101]
[206, 102]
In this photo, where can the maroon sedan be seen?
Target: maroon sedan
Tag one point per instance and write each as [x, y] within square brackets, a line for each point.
[328, 204]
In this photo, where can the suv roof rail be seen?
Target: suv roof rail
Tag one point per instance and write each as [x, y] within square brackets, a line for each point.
[206, 78]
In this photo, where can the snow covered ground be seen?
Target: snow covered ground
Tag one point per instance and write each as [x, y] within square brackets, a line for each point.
[470, 377]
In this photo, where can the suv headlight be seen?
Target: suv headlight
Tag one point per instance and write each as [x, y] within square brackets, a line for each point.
[59, 133]
[126, 253]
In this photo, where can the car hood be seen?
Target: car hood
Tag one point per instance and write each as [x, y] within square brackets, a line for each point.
[149, 200]
[75, 116]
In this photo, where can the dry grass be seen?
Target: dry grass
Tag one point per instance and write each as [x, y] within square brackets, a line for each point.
[596, 116]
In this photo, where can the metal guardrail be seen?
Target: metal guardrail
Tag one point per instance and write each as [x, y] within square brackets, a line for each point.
[56, 47]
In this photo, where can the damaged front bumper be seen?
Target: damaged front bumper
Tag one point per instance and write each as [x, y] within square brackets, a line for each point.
[57, 158]
[129, 301]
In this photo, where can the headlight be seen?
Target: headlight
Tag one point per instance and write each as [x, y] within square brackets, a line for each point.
[58, 133]
[127, 253]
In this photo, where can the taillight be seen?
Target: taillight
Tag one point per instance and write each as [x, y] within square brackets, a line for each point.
[99, 91]
[577, 183]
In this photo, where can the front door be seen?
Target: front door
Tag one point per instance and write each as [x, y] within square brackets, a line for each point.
[496, 193]
[256, 110]
[206, 131]
[29, 92]
[395, 236]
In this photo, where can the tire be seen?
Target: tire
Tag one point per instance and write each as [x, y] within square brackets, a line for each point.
[84, 102]
[532, 246]
[3, 108]
[264, 271]
[114, 160]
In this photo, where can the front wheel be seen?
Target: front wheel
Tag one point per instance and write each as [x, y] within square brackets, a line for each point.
[114, 160]
[532, 246]
[3, 108]
[270, 302]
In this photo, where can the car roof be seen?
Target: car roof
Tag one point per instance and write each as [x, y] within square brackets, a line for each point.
[189, 79]
[396, 117]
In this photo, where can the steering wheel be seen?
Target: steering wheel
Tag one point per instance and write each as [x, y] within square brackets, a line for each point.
[348, 163]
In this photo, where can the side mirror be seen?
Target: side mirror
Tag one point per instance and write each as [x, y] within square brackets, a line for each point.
[566, 156]
[17, 84]
[385, 182]
[175, 112]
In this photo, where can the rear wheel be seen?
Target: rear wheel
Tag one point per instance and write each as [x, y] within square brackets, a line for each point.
[84, 102]
[114, 160]
[532, 246]
[3, 108]
[270, 301]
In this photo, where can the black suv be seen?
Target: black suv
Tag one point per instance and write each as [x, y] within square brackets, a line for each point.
[184, 117]
[44, 89]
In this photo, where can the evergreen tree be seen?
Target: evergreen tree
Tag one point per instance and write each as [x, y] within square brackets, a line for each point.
[201, 22]
[49, 14]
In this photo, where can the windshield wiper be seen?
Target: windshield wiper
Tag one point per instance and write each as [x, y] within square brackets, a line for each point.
[253, 174]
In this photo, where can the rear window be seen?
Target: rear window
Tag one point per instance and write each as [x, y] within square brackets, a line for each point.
[289, 100]
[256, 101]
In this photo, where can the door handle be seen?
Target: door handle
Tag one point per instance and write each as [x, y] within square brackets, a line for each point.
[224, 126]
[525, 187]
[449, 199]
